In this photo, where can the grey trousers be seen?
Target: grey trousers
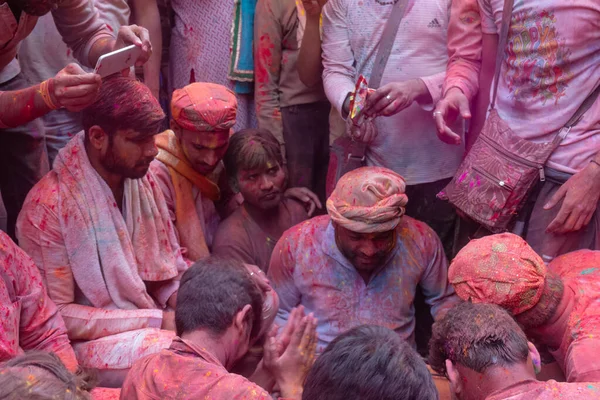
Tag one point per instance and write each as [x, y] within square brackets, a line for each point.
[306, 137]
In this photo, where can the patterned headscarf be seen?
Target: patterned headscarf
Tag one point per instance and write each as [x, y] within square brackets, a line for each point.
[368, 199]
[204, 107]
[499, 269]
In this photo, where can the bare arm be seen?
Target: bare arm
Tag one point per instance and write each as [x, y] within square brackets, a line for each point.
[309, 58]
[486, 76]
[71, 88]
[146, 15]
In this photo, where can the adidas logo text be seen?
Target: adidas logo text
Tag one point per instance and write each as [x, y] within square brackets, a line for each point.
[434, 24]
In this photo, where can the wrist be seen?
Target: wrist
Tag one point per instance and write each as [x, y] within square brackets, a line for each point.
[291, 390]
[594, 168]
[454, 90]
[47, 93]
[420, 91]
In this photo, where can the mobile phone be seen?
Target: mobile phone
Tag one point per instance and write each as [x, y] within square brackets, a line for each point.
[116, 61]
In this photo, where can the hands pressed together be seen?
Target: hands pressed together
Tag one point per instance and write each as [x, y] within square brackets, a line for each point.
[290, 355]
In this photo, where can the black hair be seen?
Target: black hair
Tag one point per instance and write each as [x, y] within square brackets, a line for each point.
[369, 363]
[250, 149]
[477, 336]
[124, 103]
[212, 292]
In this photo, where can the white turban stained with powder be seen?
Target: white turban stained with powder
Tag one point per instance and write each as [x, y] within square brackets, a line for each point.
[368, 199]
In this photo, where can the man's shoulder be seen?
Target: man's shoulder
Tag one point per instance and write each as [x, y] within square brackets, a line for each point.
[414, 227]
[44, 193]
[232, 226]
[309, 230]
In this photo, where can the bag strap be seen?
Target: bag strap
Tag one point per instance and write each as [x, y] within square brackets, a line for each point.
[387, 42]
[502, 39]
[574, 120]
[358, 149]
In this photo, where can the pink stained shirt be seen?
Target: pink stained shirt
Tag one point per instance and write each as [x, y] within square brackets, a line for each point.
[577, 320]
[76, 20]
[40, 232]
[30, 320]
[407, 142]
[549, 390]
[551, 64]
[186, 371]
[308, 269]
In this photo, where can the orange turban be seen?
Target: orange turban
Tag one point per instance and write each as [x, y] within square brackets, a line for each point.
[204, 107]
[368, 199]
[499, 269]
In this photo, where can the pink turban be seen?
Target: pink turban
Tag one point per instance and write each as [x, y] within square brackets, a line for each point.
[204, 107]
[368, 199]
[499, 269]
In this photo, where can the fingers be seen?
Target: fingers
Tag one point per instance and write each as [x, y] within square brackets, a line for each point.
[311, 209]
[138, 36]
[580, 223]
[286, 334]
[439, 115]
[463, 107]
[270, 351]
[378, 106]
[312, 197]
[79, 91]
[77, 79]
[308, 332]
[258, 277]
[298, 335]
[73, 69]
[445, 134]
[393, 108]
[556, 198]
[127, 34]
[450, 137]
[559, 221]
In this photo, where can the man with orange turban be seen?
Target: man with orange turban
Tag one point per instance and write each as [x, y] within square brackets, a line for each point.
[361, 264]
[189, 165]
[556, 304]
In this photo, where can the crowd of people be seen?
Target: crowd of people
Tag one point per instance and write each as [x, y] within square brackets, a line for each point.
[191, 227]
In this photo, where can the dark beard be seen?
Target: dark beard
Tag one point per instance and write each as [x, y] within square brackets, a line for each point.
[114, 164]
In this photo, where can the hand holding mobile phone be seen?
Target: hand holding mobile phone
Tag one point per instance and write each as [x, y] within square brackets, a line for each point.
[117, 61]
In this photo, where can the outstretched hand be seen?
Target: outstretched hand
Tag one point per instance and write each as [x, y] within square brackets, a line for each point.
[455, 102]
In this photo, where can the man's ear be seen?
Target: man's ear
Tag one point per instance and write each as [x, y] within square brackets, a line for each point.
[241, 320]
[97, 137]
[454, 378]
[535, 358]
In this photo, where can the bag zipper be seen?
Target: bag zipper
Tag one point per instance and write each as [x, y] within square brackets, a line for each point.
[498, 182]
[513, 157]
